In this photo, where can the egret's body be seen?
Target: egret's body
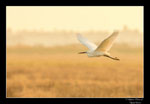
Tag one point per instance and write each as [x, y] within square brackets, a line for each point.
[102, 49]
[95, 54]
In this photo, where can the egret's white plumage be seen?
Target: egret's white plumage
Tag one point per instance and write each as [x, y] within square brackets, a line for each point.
[102, 49]
[91, 46]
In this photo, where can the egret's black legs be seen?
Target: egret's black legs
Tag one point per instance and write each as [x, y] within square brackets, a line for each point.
[112, 57]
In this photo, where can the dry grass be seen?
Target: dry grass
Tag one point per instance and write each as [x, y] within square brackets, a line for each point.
[52, 72]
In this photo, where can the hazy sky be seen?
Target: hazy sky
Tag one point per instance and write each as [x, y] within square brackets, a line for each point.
[74, 17]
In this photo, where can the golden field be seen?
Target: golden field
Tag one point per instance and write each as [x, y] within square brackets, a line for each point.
[61, 72]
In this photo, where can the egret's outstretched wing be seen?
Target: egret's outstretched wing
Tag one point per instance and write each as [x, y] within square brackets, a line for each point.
[107, 43]
[88, 44]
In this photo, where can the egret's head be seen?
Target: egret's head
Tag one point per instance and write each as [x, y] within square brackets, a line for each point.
[82, 52]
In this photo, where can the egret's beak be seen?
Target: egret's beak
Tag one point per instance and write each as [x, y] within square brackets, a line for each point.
[82, 52]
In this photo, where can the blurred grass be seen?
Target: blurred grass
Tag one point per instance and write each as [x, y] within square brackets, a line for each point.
[61, 72]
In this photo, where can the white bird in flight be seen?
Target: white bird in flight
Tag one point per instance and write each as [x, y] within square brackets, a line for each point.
[102, 49]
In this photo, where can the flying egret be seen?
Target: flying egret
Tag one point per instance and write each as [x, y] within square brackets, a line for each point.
[102, 49]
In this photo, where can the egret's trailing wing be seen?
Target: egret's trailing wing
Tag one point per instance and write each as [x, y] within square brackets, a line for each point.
[107, 43]
[91, 46]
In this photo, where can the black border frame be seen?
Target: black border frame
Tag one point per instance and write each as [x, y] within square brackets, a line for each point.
[4, 100]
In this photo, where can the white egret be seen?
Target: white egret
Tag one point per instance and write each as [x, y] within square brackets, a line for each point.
[102, 49]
